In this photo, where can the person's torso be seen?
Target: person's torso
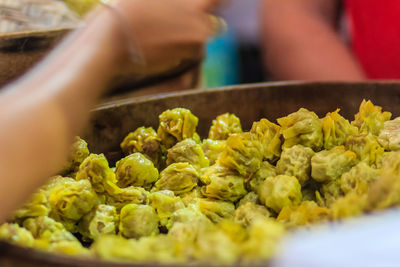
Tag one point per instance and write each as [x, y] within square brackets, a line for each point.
[375, 32]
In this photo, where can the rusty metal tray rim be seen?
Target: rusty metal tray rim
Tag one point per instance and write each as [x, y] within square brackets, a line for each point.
[290, 84]
[34, 33]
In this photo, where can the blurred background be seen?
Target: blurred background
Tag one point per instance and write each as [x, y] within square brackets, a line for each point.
[232, 57]
[335, 40]
[235, 56]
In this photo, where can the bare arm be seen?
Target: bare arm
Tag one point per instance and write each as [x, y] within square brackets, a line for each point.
[300, 42]
[41, 113]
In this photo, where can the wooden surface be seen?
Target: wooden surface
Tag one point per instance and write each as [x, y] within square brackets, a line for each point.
[112, 121]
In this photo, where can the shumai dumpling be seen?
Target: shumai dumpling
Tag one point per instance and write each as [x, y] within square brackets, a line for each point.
[213, 149]
[176, 125]
[144, 140]
[308, 212]
[52, 236]
[223, 126]
[266, 170]
[385, 191]
[146, 249]
[165, 204]
[296, 161]
[136, 170]
[129, 195]
[358, 179]
[336, 129]
[114, 248]
[262, 242]
[14, 234]
[178, 177]
[391, 162]
[235, 231]
[187, 224]
[251, 197]
[366, 147]
[190, 215]
[188, 151]
[38, 205]
[350, 205]
[243, 153]
[222, 183]
[78, 153]
[248, 213]
[71, 200]
[216, 210]
[302, 127]
[370, 118]
[330, 164]
[269, 135]
[192, 196]
[280, 191]
[47, 231]
[184, 233]
[137, 221]
[389, 137]
[102, 220]
[330, 191]
[96, 170]
[55, 181]
[205, 248]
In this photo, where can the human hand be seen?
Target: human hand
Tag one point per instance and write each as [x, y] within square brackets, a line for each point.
[166, 32]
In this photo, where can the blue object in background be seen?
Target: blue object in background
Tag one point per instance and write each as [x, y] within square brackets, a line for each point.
[221, 66]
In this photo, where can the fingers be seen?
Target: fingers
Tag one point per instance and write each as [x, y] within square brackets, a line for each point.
[173, 29]
[217, 24]
[205, 5]
[210, 5]
[193, 52]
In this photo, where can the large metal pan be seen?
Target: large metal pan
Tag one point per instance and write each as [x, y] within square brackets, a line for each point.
[112, 121]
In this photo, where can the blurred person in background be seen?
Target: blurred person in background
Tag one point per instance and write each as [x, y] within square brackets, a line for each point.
[235, 56]
[42, 112]
[302, 39]
[243, 18]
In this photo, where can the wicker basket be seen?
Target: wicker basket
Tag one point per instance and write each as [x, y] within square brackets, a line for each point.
[28, 15]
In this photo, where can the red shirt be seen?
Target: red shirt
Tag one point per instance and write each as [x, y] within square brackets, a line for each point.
[375, 30]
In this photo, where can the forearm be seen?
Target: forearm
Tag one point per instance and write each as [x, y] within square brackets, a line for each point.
[298, 45]
[40, 114]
